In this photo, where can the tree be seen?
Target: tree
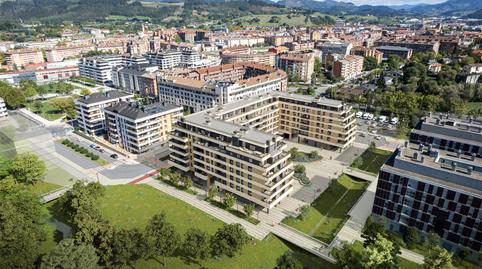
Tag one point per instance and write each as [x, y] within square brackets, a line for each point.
[126, 246]
[188, 183]
[300, 169]
[287, 261]
[27, 168]
[212, 192]
[394, 62]
[28, 87]
[228, 240]
[13, 97]
[85, 91]
[175, 178]
[438, 258]
[313, 154]
[411, 236]
[161, 238]
[65, 105]
[370, 63]
[37, 105]
[21, 226]
[371, 230]
[380, 254]
[432, 240]
[229, 200]
[196, 244]
[348, 256]
[68, 255]
[248, 209]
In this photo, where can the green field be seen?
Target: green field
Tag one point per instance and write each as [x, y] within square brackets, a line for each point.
[371, 160]
[130, 206]
[47, 110]
[329, 211]
[43, 187]
[291, 20]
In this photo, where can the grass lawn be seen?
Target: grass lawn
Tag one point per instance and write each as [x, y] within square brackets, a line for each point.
[329, 211]
[295, 20]
[43, 187]
[371, 160]
[472, 106]
[47, 110]
[130, 206]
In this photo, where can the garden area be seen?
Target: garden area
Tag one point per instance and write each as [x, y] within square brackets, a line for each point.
[53, 109]
[299, 156]
[371, 160]
[327, 214]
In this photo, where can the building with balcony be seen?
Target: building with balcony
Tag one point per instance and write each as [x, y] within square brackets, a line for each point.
[23, 57]
[348, 67]
[204, 88]
[59, 54]
[340, 48]
[403, 53]
[139, 128]
[417, 45]
[140, 79]
[239, 147]
[299, 66]
[100, 68]
[434, 183]
[90, 110]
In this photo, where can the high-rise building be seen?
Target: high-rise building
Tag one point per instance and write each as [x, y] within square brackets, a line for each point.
[101, 68]
[434, 183]
[297, 65]
[348, 67]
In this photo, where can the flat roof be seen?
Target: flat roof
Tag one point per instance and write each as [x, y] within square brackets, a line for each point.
[135, 111]
[103, 96]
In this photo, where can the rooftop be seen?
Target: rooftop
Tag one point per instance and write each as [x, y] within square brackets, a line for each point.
[394, 48]
[103, 96]
[136, 111]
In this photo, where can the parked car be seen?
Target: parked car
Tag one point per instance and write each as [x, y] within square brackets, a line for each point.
[365, 115]
[101, 150]
[359, 114]
[114, 156]
[382, 119]
[394, 121]
[92, 146]
[370, 116]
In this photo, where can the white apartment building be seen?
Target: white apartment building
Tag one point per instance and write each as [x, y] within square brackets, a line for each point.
[189, 58]
[206, 87]
[341, 48]
[100, 68]
[3, 109]
[138, 128]
[90, 110]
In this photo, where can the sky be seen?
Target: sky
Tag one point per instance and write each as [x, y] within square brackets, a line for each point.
[393, 2]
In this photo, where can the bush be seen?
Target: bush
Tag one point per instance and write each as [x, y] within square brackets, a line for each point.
[89, 154]
[304, 212]
[95, 158]
[83, 150]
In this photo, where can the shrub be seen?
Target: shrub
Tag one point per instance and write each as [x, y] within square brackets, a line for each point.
[304, 212]
[95, 157]
[83, 150]
[89, 154]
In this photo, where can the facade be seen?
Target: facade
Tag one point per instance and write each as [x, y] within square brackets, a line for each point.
[204, 88]
[238, 147]
[340, 48]
[136, 78]
[403, 53]
[48, 75]
[137, 128]
[100, 68]
[62, 53]
[279, 40]
[434, 183]
[169, 59]
[297, 65]
[368, 52]
[349, 67]
[3, 109]
[243, 54]
[416, 45]
[90, 110]
[24, 57]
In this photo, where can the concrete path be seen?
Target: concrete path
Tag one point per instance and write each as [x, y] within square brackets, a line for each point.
[55, 194]
[360, 174]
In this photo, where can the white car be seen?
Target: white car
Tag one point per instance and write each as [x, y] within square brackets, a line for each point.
[370, 116]
[382, 119]
[359, 114]
[394, 121]
[365, 115]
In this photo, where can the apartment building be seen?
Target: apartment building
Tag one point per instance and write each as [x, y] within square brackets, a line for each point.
[299, 66]
[3, 109]
[403, 53]
[279, 40]
[23, 57]
[90, 110]
[434, 183]
[204, 88]
[137, 78]
[139, 128]
[414, 44]
[59, 54]
[243, 54]
[367, 52]
[168, 59]
[238, 147]
[100, 68]
[341, 48]
[348, 67]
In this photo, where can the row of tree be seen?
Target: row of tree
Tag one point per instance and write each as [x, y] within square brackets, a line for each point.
[119, 247]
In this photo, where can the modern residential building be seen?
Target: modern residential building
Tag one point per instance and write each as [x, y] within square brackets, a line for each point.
[297, 65]
[403, 53]
[238, 147]
[204, 88]
[243, 54]
[100, 68]
[349, 67]
[49, 72]
[279, 40]
[3, 109]
[90, 110]
[367, 52]
[425, 45]
[139, 128]
[340, 48]
[434, 183]
[23, 57]
[137, 78]
[59, 54]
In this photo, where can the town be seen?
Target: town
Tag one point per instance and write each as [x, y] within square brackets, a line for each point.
[288, 137]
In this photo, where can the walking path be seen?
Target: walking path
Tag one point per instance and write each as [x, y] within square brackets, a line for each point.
[55, 194]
